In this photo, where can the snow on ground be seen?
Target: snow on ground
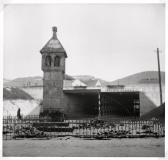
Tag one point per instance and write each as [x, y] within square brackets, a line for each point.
[35, 92]
[70, 147]
[10, 107]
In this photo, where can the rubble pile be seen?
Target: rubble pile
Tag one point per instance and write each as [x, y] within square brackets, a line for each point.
[113, 134]
[28, 132]
[104, 130]
[96, 124]
[7, 129]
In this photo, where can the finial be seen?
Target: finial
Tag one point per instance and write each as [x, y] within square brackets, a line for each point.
[54, 29]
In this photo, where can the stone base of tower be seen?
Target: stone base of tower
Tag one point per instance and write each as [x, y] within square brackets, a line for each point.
[52, 114]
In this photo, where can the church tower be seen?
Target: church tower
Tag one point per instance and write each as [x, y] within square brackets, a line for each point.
[53, 66]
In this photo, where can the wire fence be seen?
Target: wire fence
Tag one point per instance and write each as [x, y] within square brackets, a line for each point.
[36, 127]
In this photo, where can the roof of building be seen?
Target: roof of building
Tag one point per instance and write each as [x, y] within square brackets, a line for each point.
[78, 83]
[95, 82]
[92, 83]
[53, 45]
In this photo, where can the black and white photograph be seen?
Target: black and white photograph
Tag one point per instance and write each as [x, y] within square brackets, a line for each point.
[83, 80]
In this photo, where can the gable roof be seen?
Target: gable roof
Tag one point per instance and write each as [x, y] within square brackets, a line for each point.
[98, 84]
[94, 83]
[78, 83]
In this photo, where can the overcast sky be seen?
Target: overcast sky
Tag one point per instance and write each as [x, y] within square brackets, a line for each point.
[106, 41]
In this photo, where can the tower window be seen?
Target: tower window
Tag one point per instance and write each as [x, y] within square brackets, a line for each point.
[48, 61]
[57, 61]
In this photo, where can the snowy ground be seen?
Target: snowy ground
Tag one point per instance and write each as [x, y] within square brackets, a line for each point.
[10, 107]
[69, 147]
[35, 92]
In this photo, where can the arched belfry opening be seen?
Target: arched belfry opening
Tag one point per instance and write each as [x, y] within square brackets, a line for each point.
[57, 61]
[48, 61]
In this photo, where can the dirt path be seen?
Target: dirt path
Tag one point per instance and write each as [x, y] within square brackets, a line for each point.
[146, 147]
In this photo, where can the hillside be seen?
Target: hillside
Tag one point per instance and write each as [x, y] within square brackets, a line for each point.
[14, 98]
[36, 81]
[24, 82]
[140, 78]
[158, 112]
[84, 77]
[15, 93]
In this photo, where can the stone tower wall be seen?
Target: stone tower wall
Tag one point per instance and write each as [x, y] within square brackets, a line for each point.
[53, 90]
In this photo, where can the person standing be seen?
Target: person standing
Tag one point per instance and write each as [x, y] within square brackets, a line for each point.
[18, 114]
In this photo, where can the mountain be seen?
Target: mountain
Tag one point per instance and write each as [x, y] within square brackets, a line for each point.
[36, 81]
[140, 78]
[84, 77]
[149, 77]
[15, 93]
[68, 77]
[23, 82]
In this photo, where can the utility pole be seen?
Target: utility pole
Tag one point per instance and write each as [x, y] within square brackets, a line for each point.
[159, 75]
[99, 106]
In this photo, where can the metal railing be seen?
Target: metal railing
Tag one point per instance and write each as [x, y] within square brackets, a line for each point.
[36, 127]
